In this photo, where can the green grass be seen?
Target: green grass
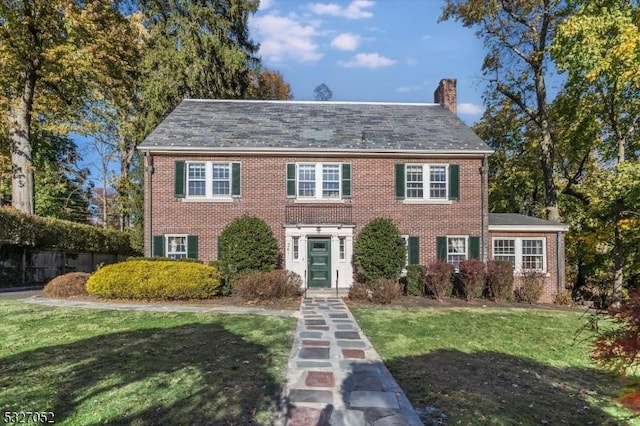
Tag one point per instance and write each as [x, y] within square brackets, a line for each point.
[495, 366]
[123, 367]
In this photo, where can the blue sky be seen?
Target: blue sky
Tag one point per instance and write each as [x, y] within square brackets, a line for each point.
[370, 50]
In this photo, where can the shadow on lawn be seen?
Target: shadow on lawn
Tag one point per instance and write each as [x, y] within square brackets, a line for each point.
[495, 388]
[190, 374]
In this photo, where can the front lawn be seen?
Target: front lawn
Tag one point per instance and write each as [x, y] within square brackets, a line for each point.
[494, 366]
[124, 367]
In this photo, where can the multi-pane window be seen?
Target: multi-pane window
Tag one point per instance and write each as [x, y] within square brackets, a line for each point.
[306, 180]
[330, 181]
[525, 254]
[426, 181]
[415, 186]
[197, 178]
[437, 182]
[456, 250]
[296, 248]
[505, 249]
[176, 246]
[210, 179]
[532, 255]
[221, 179]
[318, 180]
[342, 248]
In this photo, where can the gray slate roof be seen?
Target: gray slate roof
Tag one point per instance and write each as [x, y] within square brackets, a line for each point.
[519, 219]
[225, 124]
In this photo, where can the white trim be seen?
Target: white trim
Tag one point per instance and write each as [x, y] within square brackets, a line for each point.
[529, 228]
[208, 182]
[427, 201]
[517, 270]
[207, 200]
[315, 152]
[186, 244]
[466, 246]
[318, 167]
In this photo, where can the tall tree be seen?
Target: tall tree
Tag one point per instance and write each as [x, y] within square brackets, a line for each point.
[599, 48]
[323, 93]
[517, 34]
[195, 49]
[55, 57]
[270, 85]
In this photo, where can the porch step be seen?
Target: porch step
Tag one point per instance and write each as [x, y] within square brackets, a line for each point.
[327, 292]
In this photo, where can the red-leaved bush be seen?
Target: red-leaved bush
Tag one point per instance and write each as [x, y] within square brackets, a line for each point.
[618, 347]
[500, 280]
[438, 279]
[472, 276]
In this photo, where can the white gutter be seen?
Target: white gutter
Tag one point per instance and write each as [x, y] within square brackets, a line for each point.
[529, 228]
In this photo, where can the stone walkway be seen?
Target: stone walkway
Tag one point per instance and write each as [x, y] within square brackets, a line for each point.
[335, 377]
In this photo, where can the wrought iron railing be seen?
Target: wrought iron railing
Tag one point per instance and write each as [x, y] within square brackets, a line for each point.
[311, 214]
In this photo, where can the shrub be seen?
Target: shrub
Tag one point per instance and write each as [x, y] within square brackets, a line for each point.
[379, 251]
[472, 277]
[438, 279]
[359, 291]
[44, 232]
[563, 298]
[415, 280]
[500, 280]
[532, 287]
[246, 244]
[155, 280]
[67, 285]
[384, 290]
[271, 285]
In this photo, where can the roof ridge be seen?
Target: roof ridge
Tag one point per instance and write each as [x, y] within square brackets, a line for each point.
[303, 102]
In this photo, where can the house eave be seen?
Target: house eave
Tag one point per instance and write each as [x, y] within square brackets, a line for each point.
[529, 228]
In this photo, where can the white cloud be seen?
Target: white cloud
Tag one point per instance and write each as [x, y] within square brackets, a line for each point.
[345, 41]
[265, 4]
[471, 109]
[368, 60]
[405, 89]
[285, 38]
[355, 9]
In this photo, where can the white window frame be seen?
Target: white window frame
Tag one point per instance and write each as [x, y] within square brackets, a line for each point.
[176, 254]
[426, 181]
[518, 242]
[466, 250]
[295, 248]
[209, 180]
[319, 182]
[342, 249]
[405, 240]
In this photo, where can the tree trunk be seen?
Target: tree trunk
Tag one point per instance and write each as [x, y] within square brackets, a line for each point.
[22, 189]
[618, 256]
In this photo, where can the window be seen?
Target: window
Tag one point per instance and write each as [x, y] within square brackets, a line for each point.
[176, 246]
[433, 178]
[525, 254]
[318, 181]
[342, 248]
[504, 249]
[296, 248]
[456, 250]
[208, 179]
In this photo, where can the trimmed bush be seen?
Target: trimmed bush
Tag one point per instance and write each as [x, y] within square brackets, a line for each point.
[379, 251]
[44, 232]
[472, 277]
[155, 280]
[415, 280]
[359, 291]
[439, 279]
[246, 244]
[271, 285]
[532, 287]
[500, 280]
[384, 290]
[67, 285]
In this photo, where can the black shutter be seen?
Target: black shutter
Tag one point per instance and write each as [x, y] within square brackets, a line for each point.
[414, 251]
[235, 179]
[400, 181]
[441, 248]
[158, 246]
[291, 179]
[346, 180]
[179, 182]
[454, 182]
[474, 247]
[192, 246]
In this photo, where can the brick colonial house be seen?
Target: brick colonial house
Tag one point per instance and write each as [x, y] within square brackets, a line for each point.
[317, 172]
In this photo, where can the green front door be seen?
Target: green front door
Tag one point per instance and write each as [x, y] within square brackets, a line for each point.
[319, 255]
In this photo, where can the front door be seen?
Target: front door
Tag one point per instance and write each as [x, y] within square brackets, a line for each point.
[319, 262]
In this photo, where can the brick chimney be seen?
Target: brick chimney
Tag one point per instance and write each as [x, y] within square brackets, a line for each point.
[447, 95]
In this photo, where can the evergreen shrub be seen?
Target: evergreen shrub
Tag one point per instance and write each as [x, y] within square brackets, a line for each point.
[415, 280]
[155, 280]
[500, 280]
[439, 279]
[379, 251]
[472, 277]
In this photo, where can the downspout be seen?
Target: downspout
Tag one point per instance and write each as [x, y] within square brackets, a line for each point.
[483, 207]
[559, 262]
[149, 211]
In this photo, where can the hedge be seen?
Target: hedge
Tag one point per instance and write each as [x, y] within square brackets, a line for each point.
[155, 280]
[44, 232]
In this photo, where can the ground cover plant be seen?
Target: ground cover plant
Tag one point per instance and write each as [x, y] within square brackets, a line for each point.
[126, 367]
[494, 366]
